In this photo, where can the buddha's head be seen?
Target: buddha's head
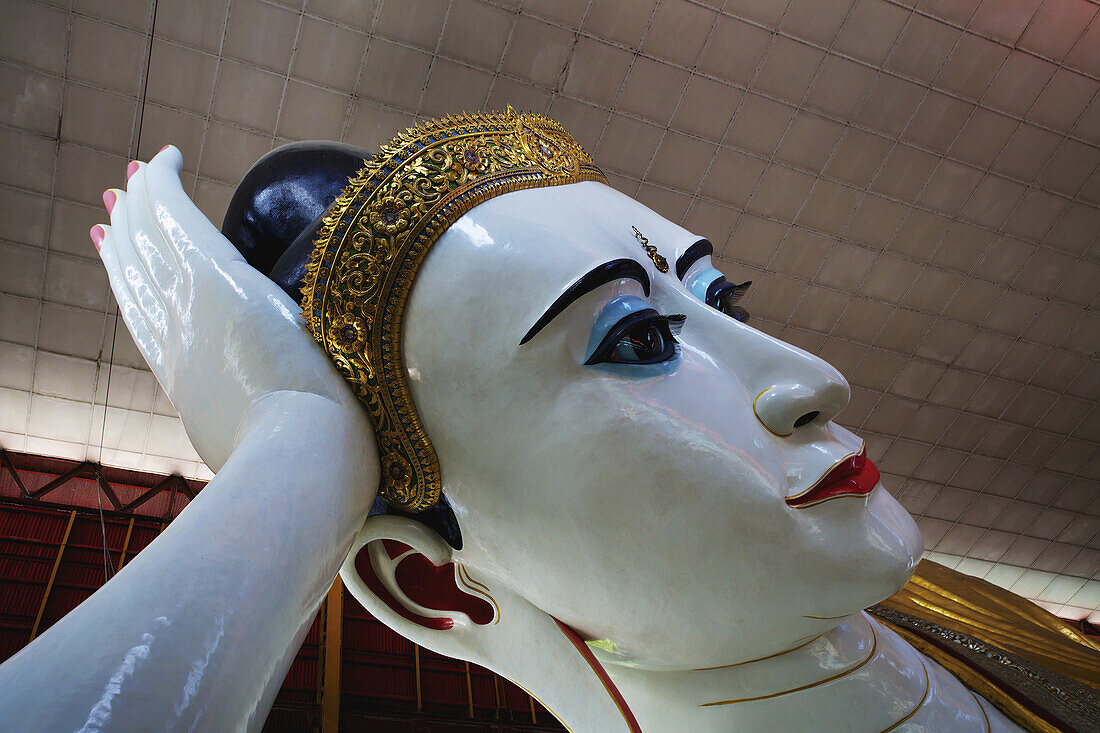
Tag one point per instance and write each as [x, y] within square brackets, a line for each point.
[617, 451]
[628, 474]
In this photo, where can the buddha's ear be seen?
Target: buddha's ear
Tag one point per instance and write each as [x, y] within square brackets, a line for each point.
[406, 575]
[405, 568]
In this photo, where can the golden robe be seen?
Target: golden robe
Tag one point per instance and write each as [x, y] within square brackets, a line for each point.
[1035, 668]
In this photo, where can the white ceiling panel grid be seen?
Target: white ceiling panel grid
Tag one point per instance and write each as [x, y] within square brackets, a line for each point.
[912, 186]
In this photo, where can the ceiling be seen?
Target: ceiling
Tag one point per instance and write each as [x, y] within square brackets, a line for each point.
[912, 187]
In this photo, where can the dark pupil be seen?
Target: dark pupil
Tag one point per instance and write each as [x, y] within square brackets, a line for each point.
[639, 345]
[724, 303]
[389, 215]
[349, 333]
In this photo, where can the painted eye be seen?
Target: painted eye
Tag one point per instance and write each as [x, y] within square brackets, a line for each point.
[642, 337]
[724, 295]
[642, 344]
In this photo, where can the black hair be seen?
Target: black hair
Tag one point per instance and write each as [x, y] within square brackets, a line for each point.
[273, 219]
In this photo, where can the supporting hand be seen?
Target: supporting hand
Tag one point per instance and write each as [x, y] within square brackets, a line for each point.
[197, 632]
[217, 334]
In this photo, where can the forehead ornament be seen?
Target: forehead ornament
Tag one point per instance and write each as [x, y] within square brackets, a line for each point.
[374, 239]
[658, 261]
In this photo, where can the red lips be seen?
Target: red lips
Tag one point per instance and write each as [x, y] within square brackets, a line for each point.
[855, 476]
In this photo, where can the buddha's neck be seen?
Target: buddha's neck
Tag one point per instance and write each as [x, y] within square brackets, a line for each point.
[858, 676]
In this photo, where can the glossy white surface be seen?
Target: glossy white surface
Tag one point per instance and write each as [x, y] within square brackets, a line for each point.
[523, 643]
[197, 632]
[644, 505]
[641, 505]
[841, 681]
[947, 287]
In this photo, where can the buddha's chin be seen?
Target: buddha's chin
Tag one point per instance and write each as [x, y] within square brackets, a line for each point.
[869, 556]
[885, 560]
[901, 536]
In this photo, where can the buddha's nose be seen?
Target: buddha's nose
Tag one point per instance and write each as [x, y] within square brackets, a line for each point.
[816, 397]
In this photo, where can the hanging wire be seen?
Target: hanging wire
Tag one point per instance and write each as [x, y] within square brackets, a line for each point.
[102, 432]
[102, 523]
[107, 567]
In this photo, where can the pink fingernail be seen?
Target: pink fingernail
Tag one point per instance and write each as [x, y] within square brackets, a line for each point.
[109, 199]
[163, 149]
[97, 234]
[132, 169]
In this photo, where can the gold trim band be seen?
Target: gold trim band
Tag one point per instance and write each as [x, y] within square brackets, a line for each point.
[374, 239]
[761, 420]
[923, 700]
[761, 659]
[874, 648]
[479, 588]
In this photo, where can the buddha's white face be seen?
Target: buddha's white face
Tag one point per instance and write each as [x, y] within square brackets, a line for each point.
[652, 496]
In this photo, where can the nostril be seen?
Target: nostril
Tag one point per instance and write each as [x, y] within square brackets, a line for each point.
[807, 418]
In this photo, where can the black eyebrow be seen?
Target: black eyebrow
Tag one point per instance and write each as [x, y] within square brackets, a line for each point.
[695, 252]
[594, 278]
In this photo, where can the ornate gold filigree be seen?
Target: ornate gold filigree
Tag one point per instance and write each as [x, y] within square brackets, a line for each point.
[348, 333]
[658, 261]
[373, 240]
[473, 158]
[389, 216]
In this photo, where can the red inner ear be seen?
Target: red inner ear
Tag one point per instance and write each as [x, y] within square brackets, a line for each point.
[435, 588]
[395, 549]
[426, 584]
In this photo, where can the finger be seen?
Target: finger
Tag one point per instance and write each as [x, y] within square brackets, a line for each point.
[156, 256]
[144, 338]
[170, 158]
[132, 272]
[132, 316]
[181, 223]
[141, 214]
[136, 315]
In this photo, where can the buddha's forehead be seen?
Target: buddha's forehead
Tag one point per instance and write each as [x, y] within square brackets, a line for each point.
[563, 231]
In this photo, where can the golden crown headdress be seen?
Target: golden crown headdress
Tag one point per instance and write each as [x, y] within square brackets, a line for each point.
[378, 232]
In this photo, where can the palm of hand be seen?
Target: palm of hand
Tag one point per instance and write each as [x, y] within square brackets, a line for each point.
[218, 335]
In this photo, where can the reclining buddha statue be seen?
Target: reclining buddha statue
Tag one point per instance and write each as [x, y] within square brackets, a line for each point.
[519, 414]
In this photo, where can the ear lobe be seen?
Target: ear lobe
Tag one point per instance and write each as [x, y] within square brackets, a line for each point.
[408, 567]
[404, 574]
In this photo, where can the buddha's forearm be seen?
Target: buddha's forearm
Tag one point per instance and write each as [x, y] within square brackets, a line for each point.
[197, 632]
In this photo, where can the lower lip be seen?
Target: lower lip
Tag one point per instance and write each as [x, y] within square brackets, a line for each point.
[856, 476]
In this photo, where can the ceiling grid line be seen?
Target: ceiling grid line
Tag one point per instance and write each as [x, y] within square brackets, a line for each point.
[435, 56]
[770, 158]
[563, 73]
[1037, 314]
[619, 94]
[750, 153]
[720, 249]
[286, 80]
[750, 21]
[805, 199]
[200, 153]
[49, 218]
[349, 108]
[966, 324]
[842, 229]
[503, 54]
[935, 247]
[679, 98]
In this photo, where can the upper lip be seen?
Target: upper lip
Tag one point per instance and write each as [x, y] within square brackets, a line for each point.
[853, 476]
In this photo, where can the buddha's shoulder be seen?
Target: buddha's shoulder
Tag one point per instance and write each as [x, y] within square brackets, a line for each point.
[1039, 670]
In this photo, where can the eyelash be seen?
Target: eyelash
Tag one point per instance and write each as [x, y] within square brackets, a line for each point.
[633, 336]
[723, 295]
